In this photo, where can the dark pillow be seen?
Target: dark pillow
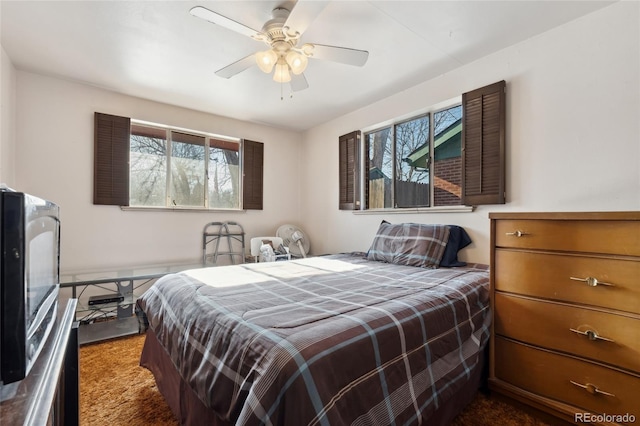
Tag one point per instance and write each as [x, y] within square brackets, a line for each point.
[412, 244]
[458, 239]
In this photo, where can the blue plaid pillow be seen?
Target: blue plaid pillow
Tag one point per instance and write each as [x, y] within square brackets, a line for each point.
[412, 244]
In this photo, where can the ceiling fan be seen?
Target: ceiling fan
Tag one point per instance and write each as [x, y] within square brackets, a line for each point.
[282, 33]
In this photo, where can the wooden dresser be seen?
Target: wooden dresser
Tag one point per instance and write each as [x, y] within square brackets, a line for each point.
[566, 306]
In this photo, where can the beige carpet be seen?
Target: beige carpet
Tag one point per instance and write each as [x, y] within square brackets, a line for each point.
[115, 391]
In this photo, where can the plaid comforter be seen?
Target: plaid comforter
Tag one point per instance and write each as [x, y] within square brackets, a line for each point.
[326, 340]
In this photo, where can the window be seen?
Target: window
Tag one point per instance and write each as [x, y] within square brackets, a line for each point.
[175, 168]
[201, 170]
[148, 166]
[188, 170]
[400, 170]
[448, 157]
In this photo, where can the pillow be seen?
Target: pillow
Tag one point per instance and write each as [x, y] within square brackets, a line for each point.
[412, 244]
[458, 239]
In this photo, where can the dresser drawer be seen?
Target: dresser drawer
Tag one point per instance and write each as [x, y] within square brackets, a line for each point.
[550, 325]
[606, 236]
[550, 375]
[549, 276]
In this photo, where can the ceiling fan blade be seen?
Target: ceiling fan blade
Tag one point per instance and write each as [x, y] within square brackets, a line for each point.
[339, 54]
[303, 14]
[298, 82]
[223, 21]
[237, 67]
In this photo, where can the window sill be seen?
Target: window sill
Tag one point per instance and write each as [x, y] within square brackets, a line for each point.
[178, 209]
[443, 209]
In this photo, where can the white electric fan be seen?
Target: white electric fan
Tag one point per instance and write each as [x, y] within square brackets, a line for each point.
[294, 238]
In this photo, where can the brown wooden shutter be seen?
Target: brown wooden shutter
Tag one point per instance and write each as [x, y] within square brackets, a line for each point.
[111, 160]
[483, 145]
[349, 182]
[253, 168]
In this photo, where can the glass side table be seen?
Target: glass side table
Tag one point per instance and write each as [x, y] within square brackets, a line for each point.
[106, 297]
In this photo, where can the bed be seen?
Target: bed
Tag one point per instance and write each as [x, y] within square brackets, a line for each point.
[329, 340]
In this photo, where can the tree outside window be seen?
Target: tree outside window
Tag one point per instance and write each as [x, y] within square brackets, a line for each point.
[148, 166]
[188, 177]
[401, 172]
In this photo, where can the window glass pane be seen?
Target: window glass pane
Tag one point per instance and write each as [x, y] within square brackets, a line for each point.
[224, 174]
[148, 166]
[447, 129]
[187, 169]
[412, 163]
[380, 156]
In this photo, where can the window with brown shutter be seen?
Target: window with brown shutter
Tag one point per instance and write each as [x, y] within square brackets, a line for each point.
[349, 172]
[111, 160]
[444, 157]
[253, 165]
[483, 145]
[112, 146]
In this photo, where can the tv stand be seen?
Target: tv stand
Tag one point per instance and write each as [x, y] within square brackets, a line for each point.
[106, 297]
[50, 392]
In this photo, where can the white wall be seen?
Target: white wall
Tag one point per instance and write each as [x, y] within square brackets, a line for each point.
[7, 119]
[573, 144]
[573, 131]
[54, 160]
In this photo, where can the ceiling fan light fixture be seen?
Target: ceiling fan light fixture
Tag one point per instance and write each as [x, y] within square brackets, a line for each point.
[266, 60]
[281, 74]
[282, 35]
[297, 62]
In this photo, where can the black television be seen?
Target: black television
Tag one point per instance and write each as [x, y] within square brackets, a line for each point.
[29, 279]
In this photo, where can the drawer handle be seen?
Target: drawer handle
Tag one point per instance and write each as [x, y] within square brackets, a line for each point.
[592, 335]
[592, 389]
[517, 234]
[591, 282]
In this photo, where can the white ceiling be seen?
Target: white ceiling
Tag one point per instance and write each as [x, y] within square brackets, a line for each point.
[158, 51]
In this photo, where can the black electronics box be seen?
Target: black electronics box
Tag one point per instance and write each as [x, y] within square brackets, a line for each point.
[105, 298]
